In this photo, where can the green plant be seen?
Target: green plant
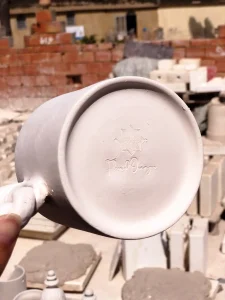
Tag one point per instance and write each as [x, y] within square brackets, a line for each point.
[89, 39]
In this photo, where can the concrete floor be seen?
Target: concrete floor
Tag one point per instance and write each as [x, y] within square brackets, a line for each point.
[103, 288]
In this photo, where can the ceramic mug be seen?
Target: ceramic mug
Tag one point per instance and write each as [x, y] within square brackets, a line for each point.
[123, 156]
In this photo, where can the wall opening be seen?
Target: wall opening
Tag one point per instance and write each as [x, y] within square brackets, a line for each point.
[74, 79]
[131, 22]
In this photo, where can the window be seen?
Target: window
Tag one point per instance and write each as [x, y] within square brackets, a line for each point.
[121, 26]
[21, 22]
[70, 17]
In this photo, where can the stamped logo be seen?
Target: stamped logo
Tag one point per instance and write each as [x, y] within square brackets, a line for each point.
[132, 143]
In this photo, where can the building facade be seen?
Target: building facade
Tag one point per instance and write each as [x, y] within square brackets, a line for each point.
[104, 18]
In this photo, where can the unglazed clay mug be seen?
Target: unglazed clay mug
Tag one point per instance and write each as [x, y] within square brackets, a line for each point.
[123, 156]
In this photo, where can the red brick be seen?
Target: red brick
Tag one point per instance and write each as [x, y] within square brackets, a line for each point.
[180, 43]
[29, 92]
[70, 57]
[5, 43]
[77, 69]
[166, 43]
[16, 70]
[218, 42]
[179, 53]
[65, 38]
[103, 56]
[208, 62]
[45, 16]
[195, 52]
[117, 55]
[88, 79]
[62, 69]
[49, 49]
[105, 68]
[85, 57]
[49, 27]
[68, 88]
[3, 84]
[49, 39]
[14, 81]
[90, 47]
[24, 58]
[105, 46]
[220, 64]
[69, 48]
[46, 57]
[215, 51]
[73, 57]
[102, 77]
[58, 80]
[30, 69]
[4, 70]
[28, 81]
[48, 91]
[47, 69]
[200, 42]
[221, 31]
[93, 68]
[42, 80]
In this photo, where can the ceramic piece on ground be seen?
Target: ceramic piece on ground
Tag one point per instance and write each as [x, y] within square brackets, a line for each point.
[208, 192]
[178, 244]
[29, 295]
[14, 285]
[216, 121]
[198, 78]
[219, 162]
[198, 245]
[177, 87]
[190, 63]
[142, 253]
[108, 142]
[193, 208]
[166, 64]
[159, 75]
[89, 295]
[215, 287]
[52, 291]
[115, 260]
[178, 76]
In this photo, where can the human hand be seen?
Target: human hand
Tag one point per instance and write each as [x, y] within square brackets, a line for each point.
[10, 226]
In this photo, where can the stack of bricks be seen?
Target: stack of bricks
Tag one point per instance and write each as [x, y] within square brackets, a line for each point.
[211, 51]
[51, 64]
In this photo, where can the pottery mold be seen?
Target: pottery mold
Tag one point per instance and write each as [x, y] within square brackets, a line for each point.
[124, 155]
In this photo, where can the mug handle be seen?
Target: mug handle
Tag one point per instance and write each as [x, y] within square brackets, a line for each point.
[23, 199]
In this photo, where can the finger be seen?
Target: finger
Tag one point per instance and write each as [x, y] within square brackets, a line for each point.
[9, 231]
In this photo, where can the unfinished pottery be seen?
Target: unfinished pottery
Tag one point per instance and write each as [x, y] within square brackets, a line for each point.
[29, 295]
[123, 155]
[216, 121]
[14, 285]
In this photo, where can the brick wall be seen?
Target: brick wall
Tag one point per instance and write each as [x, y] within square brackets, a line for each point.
[52, 63]
[40, 72]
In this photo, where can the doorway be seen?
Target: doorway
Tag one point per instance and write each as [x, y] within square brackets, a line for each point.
[131, 22]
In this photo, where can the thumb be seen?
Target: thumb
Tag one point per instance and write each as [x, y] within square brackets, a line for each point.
[9, 231]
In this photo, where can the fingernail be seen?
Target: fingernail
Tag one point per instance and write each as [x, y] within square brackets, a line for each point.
[9, 229]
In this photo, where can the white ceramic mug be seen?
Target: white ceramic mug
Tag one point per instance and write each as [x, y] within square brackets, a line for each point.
[123, 155]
